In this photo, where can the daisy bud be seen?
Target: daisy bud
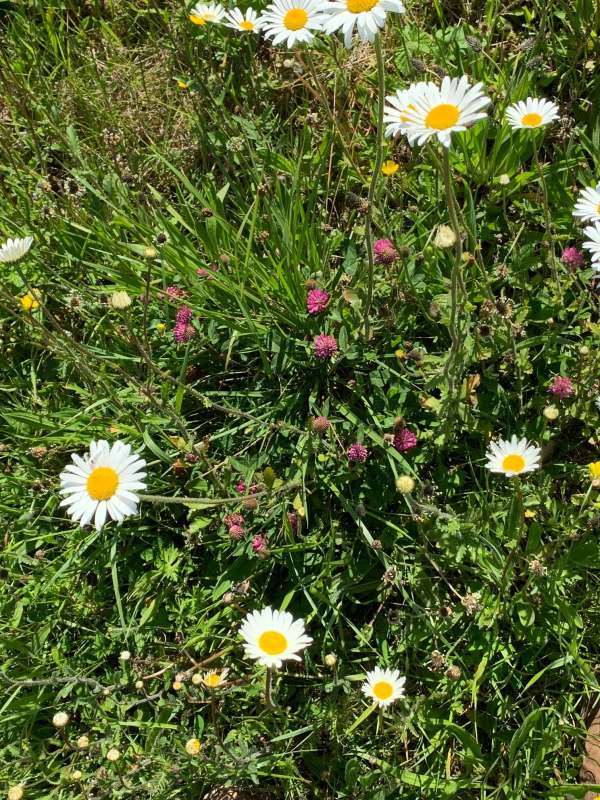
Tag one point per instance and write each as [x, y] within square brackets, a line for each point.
[193, 747]
[503, 179]
[551, 412]
[177, 685]
[120, 300]
[15, 793]
[444, 237]
[139, 684]
[83, 742]
[113, 754]
[60, 719]
[196, 679]
[124, 655]
[77, 775]
[405, 484]
[453, 673]
[330, 660]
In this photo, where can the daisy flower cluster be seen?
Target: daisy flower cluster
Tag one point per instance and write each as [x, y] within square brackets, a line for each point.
[291, 22]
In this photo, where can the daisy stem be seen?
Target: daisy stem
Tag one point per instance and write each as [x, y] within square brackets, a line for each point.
[115, 582]
[380, 720]
[457, 293]
[374, 177]
[213, 715]
[269, 689]
[550, 238]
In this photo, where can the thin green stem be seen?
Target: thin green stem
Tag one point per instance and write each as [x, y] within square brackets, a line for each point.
[269, 689]
[115, 582]
[547, 217]
[208, 501]
[374, 178]
[457, 297]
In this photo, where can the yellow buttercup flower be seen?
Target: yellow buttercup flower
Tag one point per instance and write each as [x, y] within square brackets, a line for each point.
[594, 469]
[389, 168]
[31, 300]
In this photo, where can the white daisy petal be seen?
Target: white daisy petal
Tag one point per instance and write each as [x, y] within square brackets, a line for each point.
[292, 21]
[513, 457]
[103, 482]
[531, 113]
[593, 243]
[425, 110]
[587, 207]
[383, 686]
[245, 22]
[204, 13]
[367, 16]
[14, 249]
[272, 637]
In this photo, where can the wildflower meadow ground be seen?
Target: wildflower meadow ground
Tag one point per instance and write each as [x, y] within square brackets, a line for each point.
[300, 399]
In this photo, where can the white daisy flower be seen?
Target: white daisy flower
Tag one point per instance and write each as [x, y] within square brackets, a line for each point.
[214, 678]
[426, 109]
[513, 457]
[597, 401]
[368, 16]
[384, 686]
[243, 20]
[292, 21]
[272, 637]
[14, 249]
[587, 206]
[531, 113]
[593, 243]
[103, 482]
[206, 12]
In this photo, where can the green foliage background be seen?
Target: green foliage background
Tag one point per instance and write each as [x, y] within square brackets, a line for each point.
[255, 173]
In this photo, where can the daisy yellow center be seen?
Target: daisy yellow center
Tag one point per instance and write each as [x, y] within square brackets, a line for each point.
[102, 483]
[383, 690]
[514, 462]
[598, 208]
[358, 6]
[212, 679]
[272, 643]
[295, 19]
[532, 120]
[247, 25]
[442, 117]
[197, 19]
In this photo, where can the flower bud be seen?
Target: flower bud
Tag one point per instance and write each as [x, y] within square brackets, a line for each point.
[405, 484]
[551, 412]
[83, 742]
[193, 747]
[60, 719]
[444, 237]
[113, 754]
[330, 660]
